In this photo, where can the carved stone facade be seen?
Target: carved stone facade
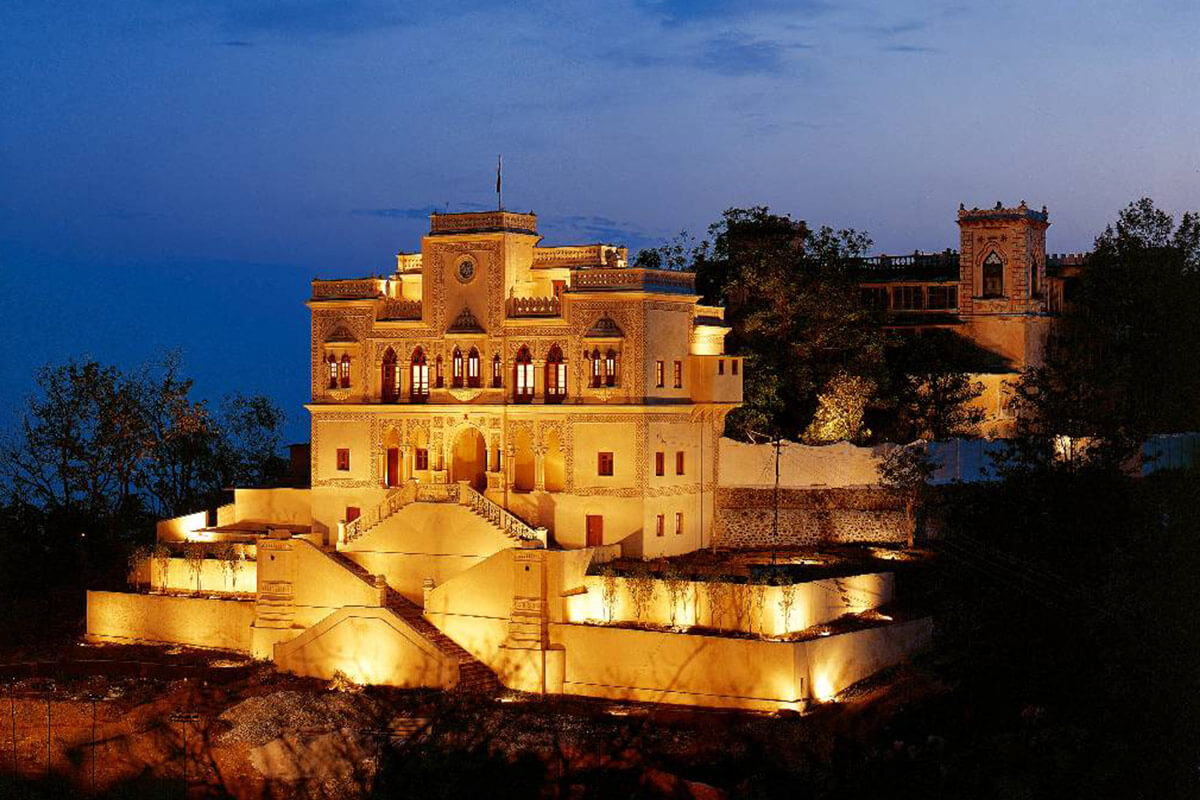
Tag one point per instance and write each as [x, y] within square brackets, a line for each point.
[582, 395]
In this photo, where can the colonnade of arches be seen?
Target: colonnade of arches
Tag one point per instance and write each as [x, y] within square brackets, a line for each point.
[524, 465]
[466, 371]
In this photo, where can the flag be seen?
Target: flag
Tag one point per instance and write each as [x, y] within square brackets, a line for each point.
[499, 162]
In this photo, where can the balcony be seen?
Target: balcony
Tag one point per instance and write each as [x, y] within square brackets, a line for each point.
[633, 280]
[581, 256]
[400, 309]
[534, 307]
[349, 289]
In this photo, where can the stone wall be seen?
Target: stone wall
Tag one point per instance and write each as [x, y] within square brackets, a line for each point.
[746, 517]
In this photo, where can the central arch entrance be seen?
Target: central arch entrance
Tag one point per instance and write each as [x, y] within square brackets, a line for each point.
[468, 461]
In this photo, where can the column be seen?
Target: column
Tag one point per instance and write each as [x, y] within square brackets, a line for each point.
[539, 467]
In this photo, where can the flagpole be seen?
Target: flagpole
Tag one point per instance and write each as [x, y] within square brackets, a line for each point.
[499, 196]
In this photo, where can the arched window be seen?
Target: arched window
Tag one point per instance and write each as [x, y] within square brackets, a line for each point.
[389, 388]
[473, 368]
[439, 379]
[993, 276]
[1033, 278]
[345, 372]
[597, 375]
[333, 371]
[523, 376]
[456, 369]
[556, 376]
[610, 367]
[419, 388]
[497, 372]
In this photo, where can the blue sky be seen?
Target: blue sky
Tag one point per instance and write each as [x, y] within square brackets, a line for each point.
[176, 171]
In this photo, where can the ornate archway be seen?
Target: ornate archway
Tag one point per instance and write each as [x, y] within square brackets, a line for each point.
[468, 458]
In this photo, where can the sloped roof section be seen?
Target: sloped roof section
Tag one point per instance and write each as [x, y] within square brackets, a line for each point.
[465, 322]
[605, 328]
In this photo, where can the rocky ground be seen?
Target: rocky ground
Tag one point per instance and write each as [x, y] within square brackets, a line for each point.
[261, 734]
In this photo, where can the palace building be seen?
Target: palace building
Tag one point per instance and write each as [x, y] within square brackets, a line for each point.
[999, 289]
[582, 395]
[502, 436]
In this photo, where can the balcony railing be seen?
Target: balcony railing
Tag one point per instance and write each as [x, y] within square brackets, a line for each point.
[586, 255]
[351, 289]
[534, 307]
[643, 280]
[400, 309]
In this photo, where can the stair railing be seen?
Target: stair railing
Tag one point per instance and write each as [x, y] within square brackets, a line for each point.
[501, 517]
[395, 500]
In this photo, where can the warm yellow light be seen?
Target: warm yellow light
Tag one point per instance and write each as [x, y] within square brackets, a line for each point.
[823, 688]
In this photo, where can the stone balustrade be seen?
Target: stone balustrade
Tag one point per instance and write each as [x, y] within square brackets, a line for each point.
[534, 307]
[635, 280]
[398, 308]
[355, 288]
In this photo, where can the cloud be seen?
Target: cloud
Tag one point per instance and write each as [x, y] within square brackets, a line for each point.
[678, 12]
[735, 55]
[576, 228]
[909, 48]
[395, 213]
[306, 18]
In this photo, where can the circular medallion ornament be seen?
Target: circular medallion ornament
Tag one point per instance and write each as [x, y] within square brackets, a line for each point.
[466, 270]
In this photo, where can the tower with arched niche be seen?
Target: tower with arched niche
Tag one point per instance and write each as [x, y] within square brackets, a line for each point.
[1002, 280]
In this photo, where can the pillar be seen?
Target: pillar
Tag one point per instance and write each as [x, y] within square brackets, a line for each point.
[539, 467]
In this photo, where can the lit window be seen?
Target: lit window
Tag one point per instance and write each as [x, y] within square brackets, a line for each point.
[456, 369]
[345, 372]
[720, 366]
[679, 462]
[421, 458]
[333, 372]
[419, 389]
[595, 360]
[604, 463]
[438, 380]
[556, 376]
[993, 276]
[473, 368]
[659, 379]
[389, 389]
[678, 523]
[678, 374]
[343, 459]
[659, 525]
[610, 368]
[659, 463]
[523, 378]
[497, 372]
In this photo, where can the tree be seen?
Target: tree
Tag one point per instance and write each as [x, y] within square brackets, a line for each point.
[795, 310]
[907, 470]
[1124, 361]
[840, 407]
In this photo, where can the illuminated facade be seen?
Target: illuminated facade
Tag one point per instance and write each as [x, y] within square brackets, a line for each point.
[1000, 290]
[584, 396]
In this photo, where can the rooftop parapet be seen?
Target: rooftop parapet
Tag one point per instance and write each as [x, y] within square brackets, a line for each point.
[913, 266]
[581, 256]
[348, 289]
[408, 262]
[633, 280]
[1000, 212]
[482, 222]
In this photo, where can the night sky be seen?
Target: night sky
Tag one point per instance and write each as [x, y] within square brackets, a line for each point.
[175, 172]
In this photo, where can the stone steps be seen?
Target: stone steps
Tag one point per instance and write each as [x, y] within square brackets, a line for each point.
[474, 675]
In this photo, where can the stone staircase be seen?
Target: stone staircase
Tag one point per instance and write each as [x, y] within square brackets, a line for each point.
[473, 675]
[515, 528]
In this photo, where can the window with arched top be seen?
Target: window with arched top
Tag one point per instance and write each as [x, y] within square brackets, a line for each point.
[456, 369]
[344, 372]
[556, 376]
[389, 386]
[497, 372]
[332, 365]
[473, 368]
[597, 373]
[523, 376]
[610, 367]
[993, 275]
[419, 387]
[439, 379]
